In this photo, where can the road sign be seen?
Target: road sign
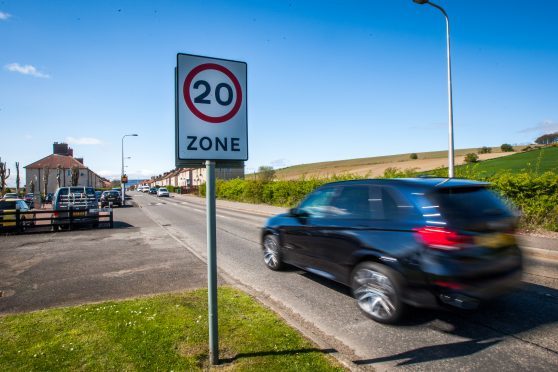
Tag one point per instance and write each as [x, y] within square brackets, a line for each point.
[211, 111]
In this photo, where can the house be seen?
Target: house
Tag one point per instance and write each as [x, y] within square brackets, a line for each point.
[56, 169]
[196, 176]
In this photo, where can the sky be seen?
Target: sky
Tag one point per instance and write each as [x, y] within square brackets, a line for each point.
[327, 80]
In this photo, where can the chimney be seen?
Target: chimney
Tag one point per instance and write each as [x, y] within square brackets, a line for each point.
[80, 160]
[60, 148]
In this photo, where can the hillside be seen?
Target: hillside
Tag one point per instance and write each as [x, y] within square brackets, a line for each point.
[537, 161]
[375, 166]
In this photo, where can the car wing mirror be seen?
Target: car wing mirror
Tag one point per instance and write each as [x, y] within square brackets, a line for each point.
[300, 213]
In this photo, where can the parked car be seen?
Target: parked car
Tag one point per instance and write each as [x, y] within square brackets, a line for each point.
[421, 242]
[8, 209]
[29, 199]
[111, 198]
[10, 195]
[98, 194]
[162, 191]
[75, 204]
[153, 190]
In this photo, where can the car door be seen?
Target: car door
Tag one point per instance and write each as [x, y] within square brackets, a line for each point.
[350, 214]
[304, 221]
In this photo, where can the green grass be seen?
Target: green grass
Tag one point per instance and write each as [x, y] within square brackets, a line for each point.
[536, 162]
[165, 332]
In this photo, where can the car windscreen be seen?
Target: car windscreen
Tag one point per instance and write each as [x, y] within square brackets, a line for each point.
[76, 190]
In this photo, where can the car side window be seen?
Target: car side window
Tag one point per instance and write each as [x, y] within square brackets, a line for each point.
[395, 205]
[352, 202]
[317, 205]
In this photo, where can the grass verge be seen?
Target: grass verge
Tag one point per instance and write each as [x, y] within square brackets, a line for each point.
[164, 332]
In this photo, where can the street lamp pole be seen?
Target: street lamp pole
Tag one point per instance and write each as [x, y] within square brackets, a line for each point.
[450, 101]
[122, 173]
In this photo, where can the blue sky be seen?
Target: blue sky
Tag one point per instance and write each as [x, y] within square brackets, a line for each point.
[327, 80]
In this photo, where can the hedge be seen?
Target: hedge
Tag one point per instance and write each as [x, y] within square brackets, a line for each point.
[536, 196]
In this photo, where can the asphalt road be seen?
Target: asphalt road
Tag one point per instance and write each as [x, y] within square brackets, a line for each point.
[518, 332]
[135, 258]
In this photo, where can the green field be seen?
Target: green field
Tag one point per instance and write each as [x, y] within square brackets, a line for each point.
[535, 162]
[349, 166]
[159, 333]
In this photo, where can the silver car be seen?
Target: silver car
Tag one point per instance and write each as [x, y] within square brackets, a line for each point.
[162, 191]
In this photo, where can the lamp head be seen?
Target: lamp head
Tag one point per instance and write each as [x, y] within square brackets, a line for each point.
[421, 2]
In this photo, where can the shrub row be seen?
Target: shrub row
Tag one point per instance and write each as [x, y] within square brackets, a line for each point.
[536, 196]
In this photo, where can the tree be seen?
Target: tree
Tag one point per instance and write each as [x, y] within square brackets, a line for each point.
[4, 175]
[58, 175]
[75, 175]
[17, 177]
[485, 150]
[471, 158]
[46, 171]
[266, 173]
[506, 147]
[547, 139]
[413, 156]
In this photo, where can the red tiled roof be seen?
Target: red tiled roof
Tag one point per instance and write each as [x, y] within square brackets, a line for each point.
[52, 161]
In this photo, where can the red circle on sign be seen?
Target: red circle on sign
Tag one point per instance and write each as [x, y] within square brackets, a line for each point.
[194, 109]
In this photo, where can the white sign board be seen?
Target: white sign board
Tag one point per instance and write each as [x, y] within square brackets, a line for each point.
[211, 110]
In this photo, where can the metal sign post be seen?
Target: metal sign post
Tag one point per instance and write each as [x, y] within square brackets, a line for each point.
[212, 263]
[211, 129]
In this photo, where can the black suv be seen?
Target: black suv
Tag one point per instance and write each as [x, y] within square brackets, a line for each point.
[425, 242]
[110, 198]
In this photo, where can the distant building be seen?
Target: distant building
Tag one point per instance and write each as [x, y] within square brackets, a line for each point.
[61, 158]
[192, 177]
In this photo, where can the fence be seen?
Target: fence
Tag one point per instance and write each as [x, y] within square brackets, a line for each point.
[48, 220]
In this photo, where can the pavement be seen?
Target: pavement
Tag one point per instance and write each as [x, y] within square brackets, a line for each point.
[137, 257]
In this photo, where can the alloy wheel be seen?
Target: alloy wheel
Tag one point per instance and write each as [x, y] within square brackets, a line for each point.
[375, 294]
[271, 253]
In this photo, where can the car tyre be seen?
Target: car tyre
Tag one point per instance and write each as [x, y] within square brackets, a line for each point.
[377, 290]
[272, 253]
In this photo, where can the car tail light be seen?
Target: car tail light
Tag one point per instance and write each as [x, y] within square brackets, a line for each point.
[443, 239]
[55, 214]
[448, 284]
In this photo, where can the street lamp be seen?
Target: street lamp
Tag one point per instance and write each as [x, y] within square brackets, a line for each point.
[122, 174]
[450, 103]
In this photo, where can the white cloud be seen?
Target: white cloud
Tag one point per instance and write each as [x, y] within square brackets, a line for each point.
[26, 70]
[279, 163]
[108, 173]
[545, 127]
[83, 141]
[4, 16]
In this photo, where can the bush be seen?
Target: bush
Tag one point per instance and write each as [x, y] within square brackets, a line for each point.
[536, 196]
[471, 158]
[485, 150]
[506, 147]
[413, 156]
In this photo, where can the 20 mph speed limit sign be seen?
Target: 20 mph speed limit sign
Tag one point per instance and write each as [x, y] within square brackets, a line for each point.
[211, 110]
